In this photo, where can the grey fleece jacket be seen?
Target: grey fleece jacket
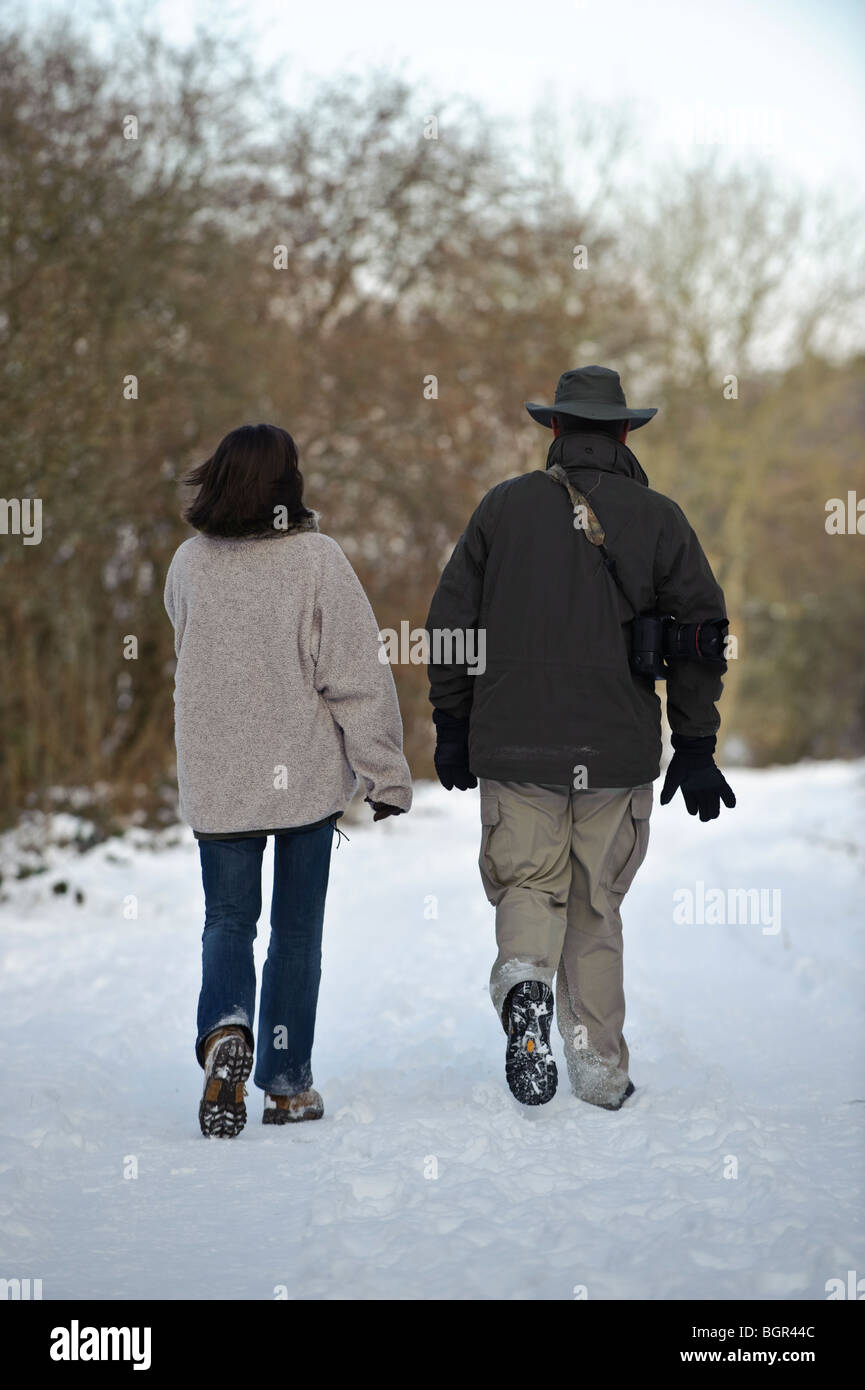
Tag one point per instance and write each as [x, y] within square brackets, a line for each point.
[281, 701]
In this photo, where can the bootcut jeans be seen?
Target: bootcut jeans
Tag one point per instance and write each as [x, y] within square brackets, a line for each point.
[231, 874]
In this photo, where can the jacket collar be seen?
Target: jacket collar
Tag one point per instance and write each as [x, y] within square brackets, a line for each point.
[595, 451]
[306, 523]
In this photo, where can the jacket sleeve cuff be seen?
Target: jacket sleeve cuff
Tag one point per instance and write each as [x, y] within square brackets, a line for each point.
[685, 743]
[450, 723]
[400, 797]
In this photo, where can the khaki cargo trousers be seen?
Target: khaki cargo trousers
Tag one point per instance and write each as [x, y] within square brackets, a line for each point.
[556, 864]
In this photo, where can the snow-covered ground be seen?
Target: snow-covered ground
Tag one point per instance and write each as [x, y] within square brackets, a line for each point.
[425, 1179]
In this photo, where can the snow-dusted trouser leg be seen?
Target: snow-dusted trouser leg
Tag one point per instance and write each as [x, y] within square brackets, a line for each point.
[556, 864]
[525, 869]
[231, 875]
[609, 842]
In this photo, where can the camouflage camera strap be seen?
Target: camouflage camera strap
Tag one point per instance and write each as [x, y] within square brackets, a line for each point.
[586, 519]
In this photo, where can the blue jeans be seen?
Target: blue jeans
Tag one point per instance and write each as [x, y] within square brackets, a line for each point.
[231, 873]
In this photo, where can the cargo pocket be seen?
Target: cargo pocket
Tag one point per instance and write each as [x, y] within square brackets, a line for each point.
[490, 817]
[636, 830]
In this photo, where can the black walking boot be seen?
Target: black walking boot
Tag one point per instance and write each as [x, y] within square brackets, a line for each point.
[529, 1065]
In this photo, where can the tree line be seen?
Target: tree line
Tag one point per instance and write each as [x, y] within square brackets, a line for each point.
[183, 250]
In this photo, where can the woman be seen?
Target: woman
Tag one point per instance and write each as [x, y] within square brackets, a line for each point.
[281, 705]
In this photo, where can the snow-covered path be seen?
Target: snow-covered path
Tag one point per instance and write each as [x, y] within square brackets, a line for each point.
[747, 1048]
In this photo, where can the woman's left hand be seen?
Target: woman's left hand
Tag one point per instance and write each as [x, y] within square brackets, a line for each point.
[381, 810]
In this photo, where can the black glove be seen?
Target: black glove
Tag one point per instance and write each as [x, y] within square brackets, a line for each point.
[381, 810]
[452, 752]
[692, 768]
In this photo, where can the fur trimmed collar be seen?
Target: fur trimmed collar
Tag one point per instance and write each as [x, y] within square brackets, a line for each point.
[306, 523]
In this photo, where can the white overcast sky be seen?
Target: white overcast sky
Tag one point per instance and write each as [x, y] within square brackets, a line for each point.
[801, 61]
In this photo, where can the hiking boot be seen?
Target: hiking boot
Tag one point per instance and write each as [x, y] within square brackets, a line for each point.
[594, 1080]
[617, 1105]
[227, 1064]
[290, 1110]
[529, 1065]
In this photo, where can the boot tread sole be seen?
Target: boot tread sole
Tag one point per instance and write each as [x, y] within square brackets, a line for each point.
[222, 1112]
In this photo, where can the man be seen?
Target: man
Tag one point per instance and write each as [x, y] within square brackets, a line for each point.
[570, 572]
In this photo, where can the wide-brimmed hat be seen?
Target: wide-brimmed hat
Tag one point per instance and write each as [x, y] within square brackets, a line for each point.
[594, 393]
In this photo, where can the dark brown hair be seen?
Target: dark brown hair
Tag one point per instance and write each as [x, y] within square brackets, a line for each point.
[253, 471]
[575, 424]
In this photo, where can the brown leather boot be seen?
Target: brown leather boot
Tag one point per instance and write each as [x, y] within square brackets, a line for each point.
[227, 1064]
[289, 1110]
